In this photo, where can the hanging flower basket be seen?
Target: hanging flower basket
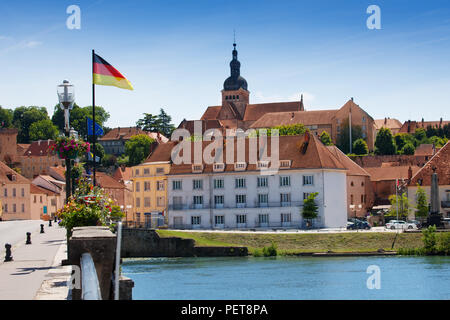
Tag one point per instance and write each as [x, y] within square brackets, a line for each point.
[69, 148]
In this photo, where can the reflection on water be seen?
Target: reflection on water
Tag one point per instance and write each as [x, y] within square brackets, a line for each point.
[288, 278]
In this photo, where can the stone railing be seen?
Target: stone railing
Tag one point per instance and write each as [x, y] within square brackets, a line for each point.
[100, 243]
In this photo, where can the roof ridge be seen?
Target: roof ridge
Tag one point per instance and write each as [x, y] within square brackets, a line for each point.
[431, 159]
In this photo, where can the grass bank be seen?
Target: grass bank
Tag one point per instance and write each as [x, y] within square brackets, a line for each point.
[302, 243]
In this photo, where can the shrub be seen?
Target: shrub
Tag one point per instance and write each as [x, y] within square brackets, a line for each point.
[444, 243]
[429, 240]
[270, 251]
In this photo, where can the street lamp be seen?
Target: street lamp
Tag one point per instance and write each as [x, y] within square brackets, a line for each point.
[66, 97]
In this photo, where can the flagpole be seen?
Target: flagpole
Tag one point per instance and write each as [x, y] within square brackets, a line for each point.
[93, 113]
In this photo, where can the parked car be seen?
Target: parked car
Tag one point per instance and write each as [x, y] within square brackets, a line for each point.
[358, 224]
[416, 222]
[400, 224]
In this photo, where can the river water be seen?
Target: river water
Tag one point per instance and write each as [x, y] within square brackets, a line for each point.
[295, 278]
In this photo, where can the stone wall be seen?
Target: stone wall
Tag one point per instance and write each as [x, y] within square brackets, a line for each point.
[139, 243]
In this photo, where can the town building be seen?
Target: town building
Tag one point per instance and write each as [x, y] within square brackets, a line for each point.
[359, 188]
[238, 195]
[15, 195]
[236, 112]
[393, 125]
[411, 126]
[121, 195]
[150, 187]
[384, 179]
[8, 145]
[45, 202]
[114, 141]
[37, 159]
[440, 163]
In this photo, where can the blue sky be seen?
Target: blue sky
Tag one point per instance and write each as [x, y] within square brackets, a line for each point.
[177, 53]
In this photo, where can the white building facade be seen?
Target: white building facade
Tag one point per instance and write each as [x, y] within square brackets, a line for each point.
[250, 200]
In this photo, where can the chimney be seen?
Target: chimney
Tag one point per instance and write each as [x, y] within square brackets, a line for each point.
[409, 126]
[385, 120]
[409, 173]
[440, 122]
[422, 122]
[434, 149]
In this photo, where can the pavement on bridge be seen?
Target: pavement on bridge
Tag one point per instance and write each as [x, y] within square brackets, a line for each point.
[22, 278]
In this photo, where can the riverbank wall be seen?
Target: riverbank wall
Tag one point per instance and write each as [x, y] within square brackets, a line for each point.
[143, 243]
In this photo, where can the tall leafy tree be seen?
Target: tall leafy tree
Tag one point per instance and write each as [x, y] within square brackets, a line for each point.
[360, 147]
[401, 202]
[310, 207]
[138, 148]
[24, 117]
[78, 116]
[326, 138]
[343, 141]
[408, 149]
[166, 126]
[6, 118]
[384, 142]
[421, 202]
[149, 123]
[43, 130]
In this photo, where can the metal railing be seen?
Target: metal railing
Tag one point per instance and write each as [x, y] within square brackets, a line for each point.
[90, 288]
[256, 205]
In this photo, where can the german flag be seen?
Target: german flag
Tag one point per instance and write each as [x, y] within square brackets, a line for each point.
[106, 75]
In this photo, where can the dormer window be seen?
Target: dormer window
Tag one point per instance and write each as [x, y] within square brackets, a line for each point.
[11, 177]
[197, 168]
[262, 164]
[285, 164]
[240, 166]
[218, 167]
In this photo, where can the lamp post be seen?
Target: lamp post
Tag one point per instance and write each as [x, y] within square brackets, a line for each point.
[66, 97]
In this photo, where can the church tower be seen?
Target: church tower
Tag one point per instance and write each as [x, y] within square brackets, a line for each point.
[235, 94]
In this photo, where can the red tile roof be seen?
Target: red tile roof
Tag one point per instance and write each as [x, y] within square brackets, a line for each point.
[161, 153]
[440, 161]
[34, 189]
[7, 174]
[122, 174]
[353, 168]
[390, 172]
[105, 181]
[425, 150]
[38, 148]
[317, 156]
[255, 111]
[315, 117]
[387, 123]
[127, 132]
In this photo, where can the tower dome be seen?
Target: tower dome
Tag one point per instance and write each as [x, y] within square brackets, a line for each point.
[235, 81]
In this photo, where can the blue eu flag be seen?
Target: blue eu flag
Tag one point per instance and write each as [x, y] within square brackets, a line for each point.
[98, 128]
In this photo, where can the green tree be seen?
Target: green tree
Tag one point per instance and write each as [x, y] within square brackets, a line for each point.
[400, 140]
[6, 118]
[421, 202]
[24, 117]
[438, 141]
[408, 149]
[166, 126]
[289, 130]
[150, 123]
[420, 134]
[343, 141]
[138, 148]
[360, 147]
[326, 138]
[310, 208]
[43, 130]
[78, 118]
[384, 142]
[403, 205]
